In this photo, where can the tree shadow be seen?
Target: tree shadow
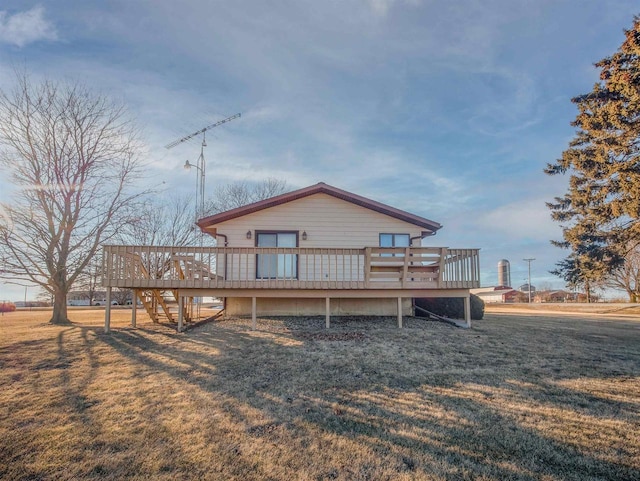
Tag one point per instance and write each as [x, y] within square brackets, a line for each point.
[452, 406]
[353, 397]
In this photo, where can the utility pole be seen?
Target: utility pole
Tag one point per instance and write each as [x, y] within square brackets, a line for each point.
[529, 281]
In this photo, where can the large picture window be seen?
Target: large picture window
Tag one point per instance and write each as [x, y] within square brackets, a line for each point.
[277, 266]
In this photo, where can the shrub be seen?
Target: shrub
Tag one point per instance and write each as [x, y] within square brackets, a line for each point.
[7, 307]
[452, 307]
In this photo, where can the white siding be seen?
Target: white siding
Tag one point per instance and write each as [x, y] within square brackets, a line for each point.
[328, 222]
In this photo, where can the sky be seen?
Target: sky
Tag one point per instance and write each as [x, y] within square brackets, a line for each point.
[449, 110]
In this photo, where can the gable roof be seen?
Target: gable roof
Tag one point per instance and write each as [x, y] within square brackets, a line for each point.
[319, 188]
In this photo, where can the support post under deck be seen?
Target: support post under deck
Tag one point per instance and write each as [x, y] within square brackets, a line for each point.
[134, 307]
[107, 312]
[327, 312]
[467, 310]
[254, 321]
[400, 312]
[180, 312]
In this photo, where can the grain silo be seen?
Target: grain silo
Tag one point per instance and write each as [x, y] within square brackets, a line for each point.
[504, 273]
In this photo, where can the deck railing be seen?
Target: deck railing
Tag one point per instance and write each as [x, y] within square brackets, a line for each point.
[154, 267]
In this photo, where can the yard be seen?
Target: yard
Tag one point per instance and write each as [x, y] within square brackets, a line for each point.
[522, 395]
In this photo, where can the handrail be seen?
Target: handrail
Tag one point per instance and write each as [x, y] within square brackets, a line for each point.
[174, 267]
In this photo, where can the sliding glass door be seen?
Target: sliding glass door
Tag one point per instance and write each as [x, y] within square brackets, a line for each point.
[277, 266]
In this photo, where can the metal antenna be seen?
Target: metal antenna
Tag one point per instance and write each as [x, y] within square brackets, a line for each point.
[200, 163]
[201, 131]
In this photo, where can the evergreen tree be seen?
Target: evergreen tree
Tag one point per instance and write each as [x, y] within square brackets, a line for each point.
[601, 209]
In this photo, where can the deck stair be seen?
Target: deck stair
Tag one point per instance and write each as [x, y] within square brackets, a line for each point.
[151, 301]
[147, 303]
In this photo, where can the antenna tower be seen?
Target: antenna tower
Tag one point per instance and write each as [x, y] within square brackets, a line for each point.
[201, 168]
[200, 163]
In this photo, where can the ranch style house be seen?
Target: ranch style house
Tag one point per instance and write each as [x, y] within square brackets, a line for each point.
[318, 250]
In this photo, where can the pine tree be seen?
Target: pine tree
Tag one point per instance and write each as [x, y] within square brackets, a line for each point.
[601, 209]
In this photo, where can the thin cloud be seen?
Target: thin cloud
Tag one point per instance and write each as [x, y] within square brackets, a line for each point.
[525, 219]
[382, 7]
[26, 27]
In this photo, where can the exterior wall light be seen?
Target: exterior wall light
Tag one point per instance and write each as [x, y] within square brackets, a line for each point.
[248, 234]
[304, 235]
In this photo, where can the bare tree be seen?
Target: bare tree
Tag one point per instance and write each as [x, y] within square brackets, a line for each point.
[44, 297]
[163, 222]
[238, 194]
[73, 156]
[544, 290]
[88, 282]
[627, 277]
[122, 296]
[167, 222]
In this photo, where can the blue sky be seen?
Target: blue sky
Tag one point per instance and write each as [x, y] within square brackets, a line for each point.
[449, 110]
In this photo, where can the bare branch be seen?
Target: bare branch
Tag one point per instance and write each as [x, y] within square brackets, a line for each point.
[73, 155]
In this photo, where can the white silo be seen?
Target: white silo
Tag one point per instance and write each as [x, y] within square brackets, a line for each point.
[504, 273]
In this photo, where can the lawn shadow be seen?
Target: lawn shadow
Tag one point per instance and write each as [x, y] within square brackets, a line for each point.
[532, 399]
[298, 375]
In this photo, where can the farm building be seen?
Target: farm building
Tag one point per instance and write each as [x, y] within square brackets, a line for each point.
[499, 294]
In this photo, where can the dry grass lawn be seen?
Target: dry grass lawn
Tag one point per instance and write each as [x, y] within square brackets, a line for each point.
[521, 396]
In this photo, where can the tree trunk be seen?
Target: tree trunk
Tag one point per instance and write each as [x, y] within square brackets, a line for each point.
[59, 308]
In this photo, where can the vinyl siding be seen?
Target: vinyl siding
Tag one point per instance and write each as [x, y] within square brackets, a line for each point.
[328, 222]
[241, 306]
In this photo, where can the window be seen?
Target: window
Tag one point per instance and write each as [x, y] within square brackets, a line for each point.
[394, 240]
[277, 266]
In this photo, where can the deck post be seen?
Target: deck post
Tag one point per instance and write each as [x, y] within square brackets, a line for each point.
[134, 306]
[400, 312]
[107, 312]
[253, 314]
[327, 312]
[180, 312]
[467, 310]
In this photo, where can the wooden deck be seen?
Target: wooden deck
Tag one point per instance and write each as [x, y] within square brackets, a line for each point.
[237, 268]
[187, 273]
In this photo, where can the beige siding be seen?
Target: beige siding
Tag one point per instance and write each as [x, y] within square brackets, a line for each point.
[328, 222]
[241, 306]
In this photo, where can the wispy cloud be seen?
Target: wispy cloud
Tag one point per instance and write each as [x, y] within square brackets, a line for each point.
[449, 110]
[523, 219]
[26, 27]
[381, 7]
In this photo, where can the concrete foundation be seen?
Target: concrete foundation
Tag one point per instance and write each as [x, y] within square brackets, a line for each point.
[270, 306]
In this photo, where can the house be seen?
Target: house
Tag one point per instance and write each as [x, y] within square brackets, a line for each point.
[498, 294]
[97, 298]
[555, 296]
[318, 250]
